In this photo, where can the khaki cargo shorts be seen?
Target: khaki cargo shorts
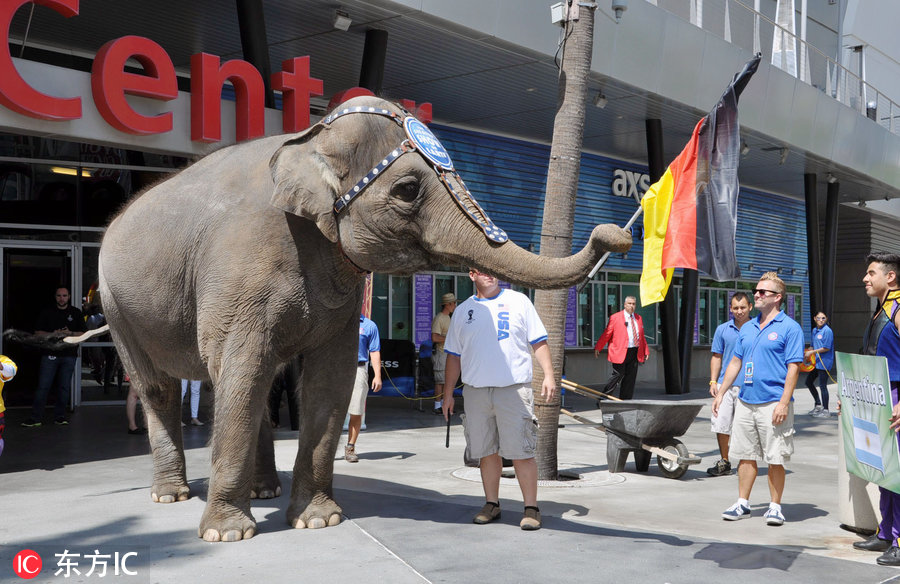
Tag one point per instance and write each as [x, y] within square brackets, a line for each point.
[500, 419]
[721, 424]
[754, 437]
[439, 362]
[360, 391]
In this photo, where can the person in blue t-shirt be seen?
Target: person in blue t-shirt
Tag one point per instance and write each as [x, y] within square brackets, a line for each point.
[369, 348]
[767, 358]
[722, 349]
[823, 349]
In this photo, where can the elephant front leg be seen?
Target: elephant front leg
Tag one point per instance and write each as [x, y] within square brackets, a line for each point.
[266, 484]
[325, 395]
[239, 407]
[162, 408]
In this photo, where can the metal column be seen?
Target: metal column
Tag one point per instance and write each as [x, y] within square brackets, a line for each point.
[689, 283]
[254, 42]
[812, 244]
[829, 261]
[667, 308]
[371, 72]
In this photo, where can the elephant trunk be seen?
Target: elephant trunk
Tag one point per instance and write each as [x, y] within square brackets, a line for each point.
[513, 264]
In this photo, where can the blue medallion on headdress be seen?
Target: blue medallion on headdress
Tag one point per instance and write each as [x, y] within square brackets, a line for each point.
[427, 143]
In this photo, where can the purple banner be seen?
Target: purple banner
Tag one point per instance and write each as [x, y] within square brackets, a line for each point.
[790, 306]
[423, 294]
[697, 322]
[572, 318]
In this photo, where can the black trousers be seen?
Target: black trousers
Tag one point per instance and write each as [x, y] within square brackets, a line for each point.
[624, 375]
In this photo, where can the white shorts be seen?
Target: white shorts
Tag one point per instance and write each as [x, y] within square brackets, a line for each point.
[360, 391]
[721, 424]
[754, 437]
[500, 419]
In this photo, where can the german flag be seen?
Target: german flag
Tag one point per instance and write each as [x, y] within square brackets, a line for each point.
[690, 214]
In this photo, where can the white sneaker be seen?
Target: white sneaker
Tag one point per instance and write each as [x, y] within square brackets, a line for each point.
[774, 517]
[736, 512]
[814, 411]
[822, 414]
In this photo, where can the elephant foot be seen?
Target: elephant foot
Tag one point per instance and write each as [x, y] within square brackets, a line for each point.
[236, 526]
[266, 489]
[316, 515]
[169, 493]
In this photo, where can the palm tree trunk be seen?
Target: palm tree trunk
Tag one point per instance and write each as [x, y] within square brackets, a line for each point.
[559, 211]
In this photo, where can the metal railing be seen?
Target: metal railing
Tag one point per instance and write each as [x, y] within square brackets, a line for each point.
[739, 24]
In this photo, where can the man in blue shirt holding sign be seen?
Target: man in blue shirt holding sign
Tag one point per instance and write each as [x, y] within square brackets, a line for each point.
[882, 338]
[766, 364]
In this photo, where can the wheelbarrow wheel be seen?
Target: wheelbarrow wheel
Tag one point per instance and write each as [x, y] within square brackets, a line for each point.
[670, 468]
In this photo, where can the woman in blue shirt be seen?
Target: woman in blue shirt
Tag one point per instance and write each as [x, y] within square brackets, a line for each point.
[823, 349]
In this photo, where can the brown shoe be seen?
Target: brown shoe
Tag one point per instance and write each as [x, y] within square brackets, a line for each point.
[531, 520]
[350, 453]
[488, 513]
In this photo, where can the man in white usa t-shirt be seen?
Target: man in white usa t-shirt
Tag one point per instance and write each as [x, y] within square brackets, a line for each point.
[491, 336]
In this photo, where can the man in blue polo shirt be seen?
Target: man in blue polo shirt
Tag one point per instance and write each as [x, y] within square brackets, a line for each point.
[369, 348]
[766, 364]
[724, 339]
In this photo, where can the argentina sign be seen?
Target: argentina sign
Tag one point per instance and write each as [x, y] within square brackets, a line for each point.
[870, 445]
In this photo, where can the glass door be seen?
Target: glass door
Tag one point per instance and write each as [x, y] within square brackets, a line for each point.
[102, 378]
[31, 274]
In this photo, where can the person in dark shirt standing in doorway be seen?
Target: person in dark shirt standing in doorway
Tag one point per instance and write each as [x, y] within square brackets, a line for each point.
[56, 367]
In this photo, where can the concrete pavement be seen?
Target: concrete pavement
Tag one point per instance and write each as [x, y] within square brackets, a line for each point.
[409, 504]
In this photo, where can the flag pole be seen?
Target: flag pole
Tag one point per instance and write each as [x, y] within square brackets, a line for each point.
[607, 254]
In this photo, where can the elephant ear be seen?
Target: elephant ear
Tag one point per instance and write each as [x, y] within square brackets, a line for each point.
[305, 183]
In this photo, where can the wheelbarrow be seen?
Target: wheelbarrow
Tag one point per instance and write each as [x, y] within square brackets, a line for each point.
[648, 427]
[645, 427]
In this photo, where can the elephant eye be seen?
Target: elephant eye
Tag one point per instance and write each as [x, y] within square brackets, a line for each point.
[405, 189]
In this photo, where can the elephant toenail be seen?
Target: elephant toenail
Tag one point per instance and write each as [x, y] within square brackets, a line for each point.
[211, 535]
[232, 535]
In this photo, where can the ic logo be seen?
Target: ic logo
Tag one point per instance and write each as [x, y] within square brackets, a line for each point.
[27, 564]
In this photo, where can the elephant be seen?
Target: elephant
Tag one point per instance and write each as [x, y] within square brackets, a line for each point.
[257, 253]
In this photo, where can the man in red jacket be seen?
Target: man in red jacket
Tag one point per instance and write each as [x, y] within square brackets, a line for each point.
[627, 348]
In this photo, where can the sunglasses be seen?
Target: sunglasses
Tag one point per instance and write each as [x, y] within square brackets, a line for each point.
[763, 292]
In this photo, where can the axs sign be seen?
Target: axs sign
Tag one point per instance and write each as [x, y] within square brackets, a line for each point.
[630, 184]
[110, 83]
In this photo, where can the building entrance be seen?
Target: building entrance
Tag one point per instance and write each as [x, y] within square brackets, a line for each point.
[31, 275]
